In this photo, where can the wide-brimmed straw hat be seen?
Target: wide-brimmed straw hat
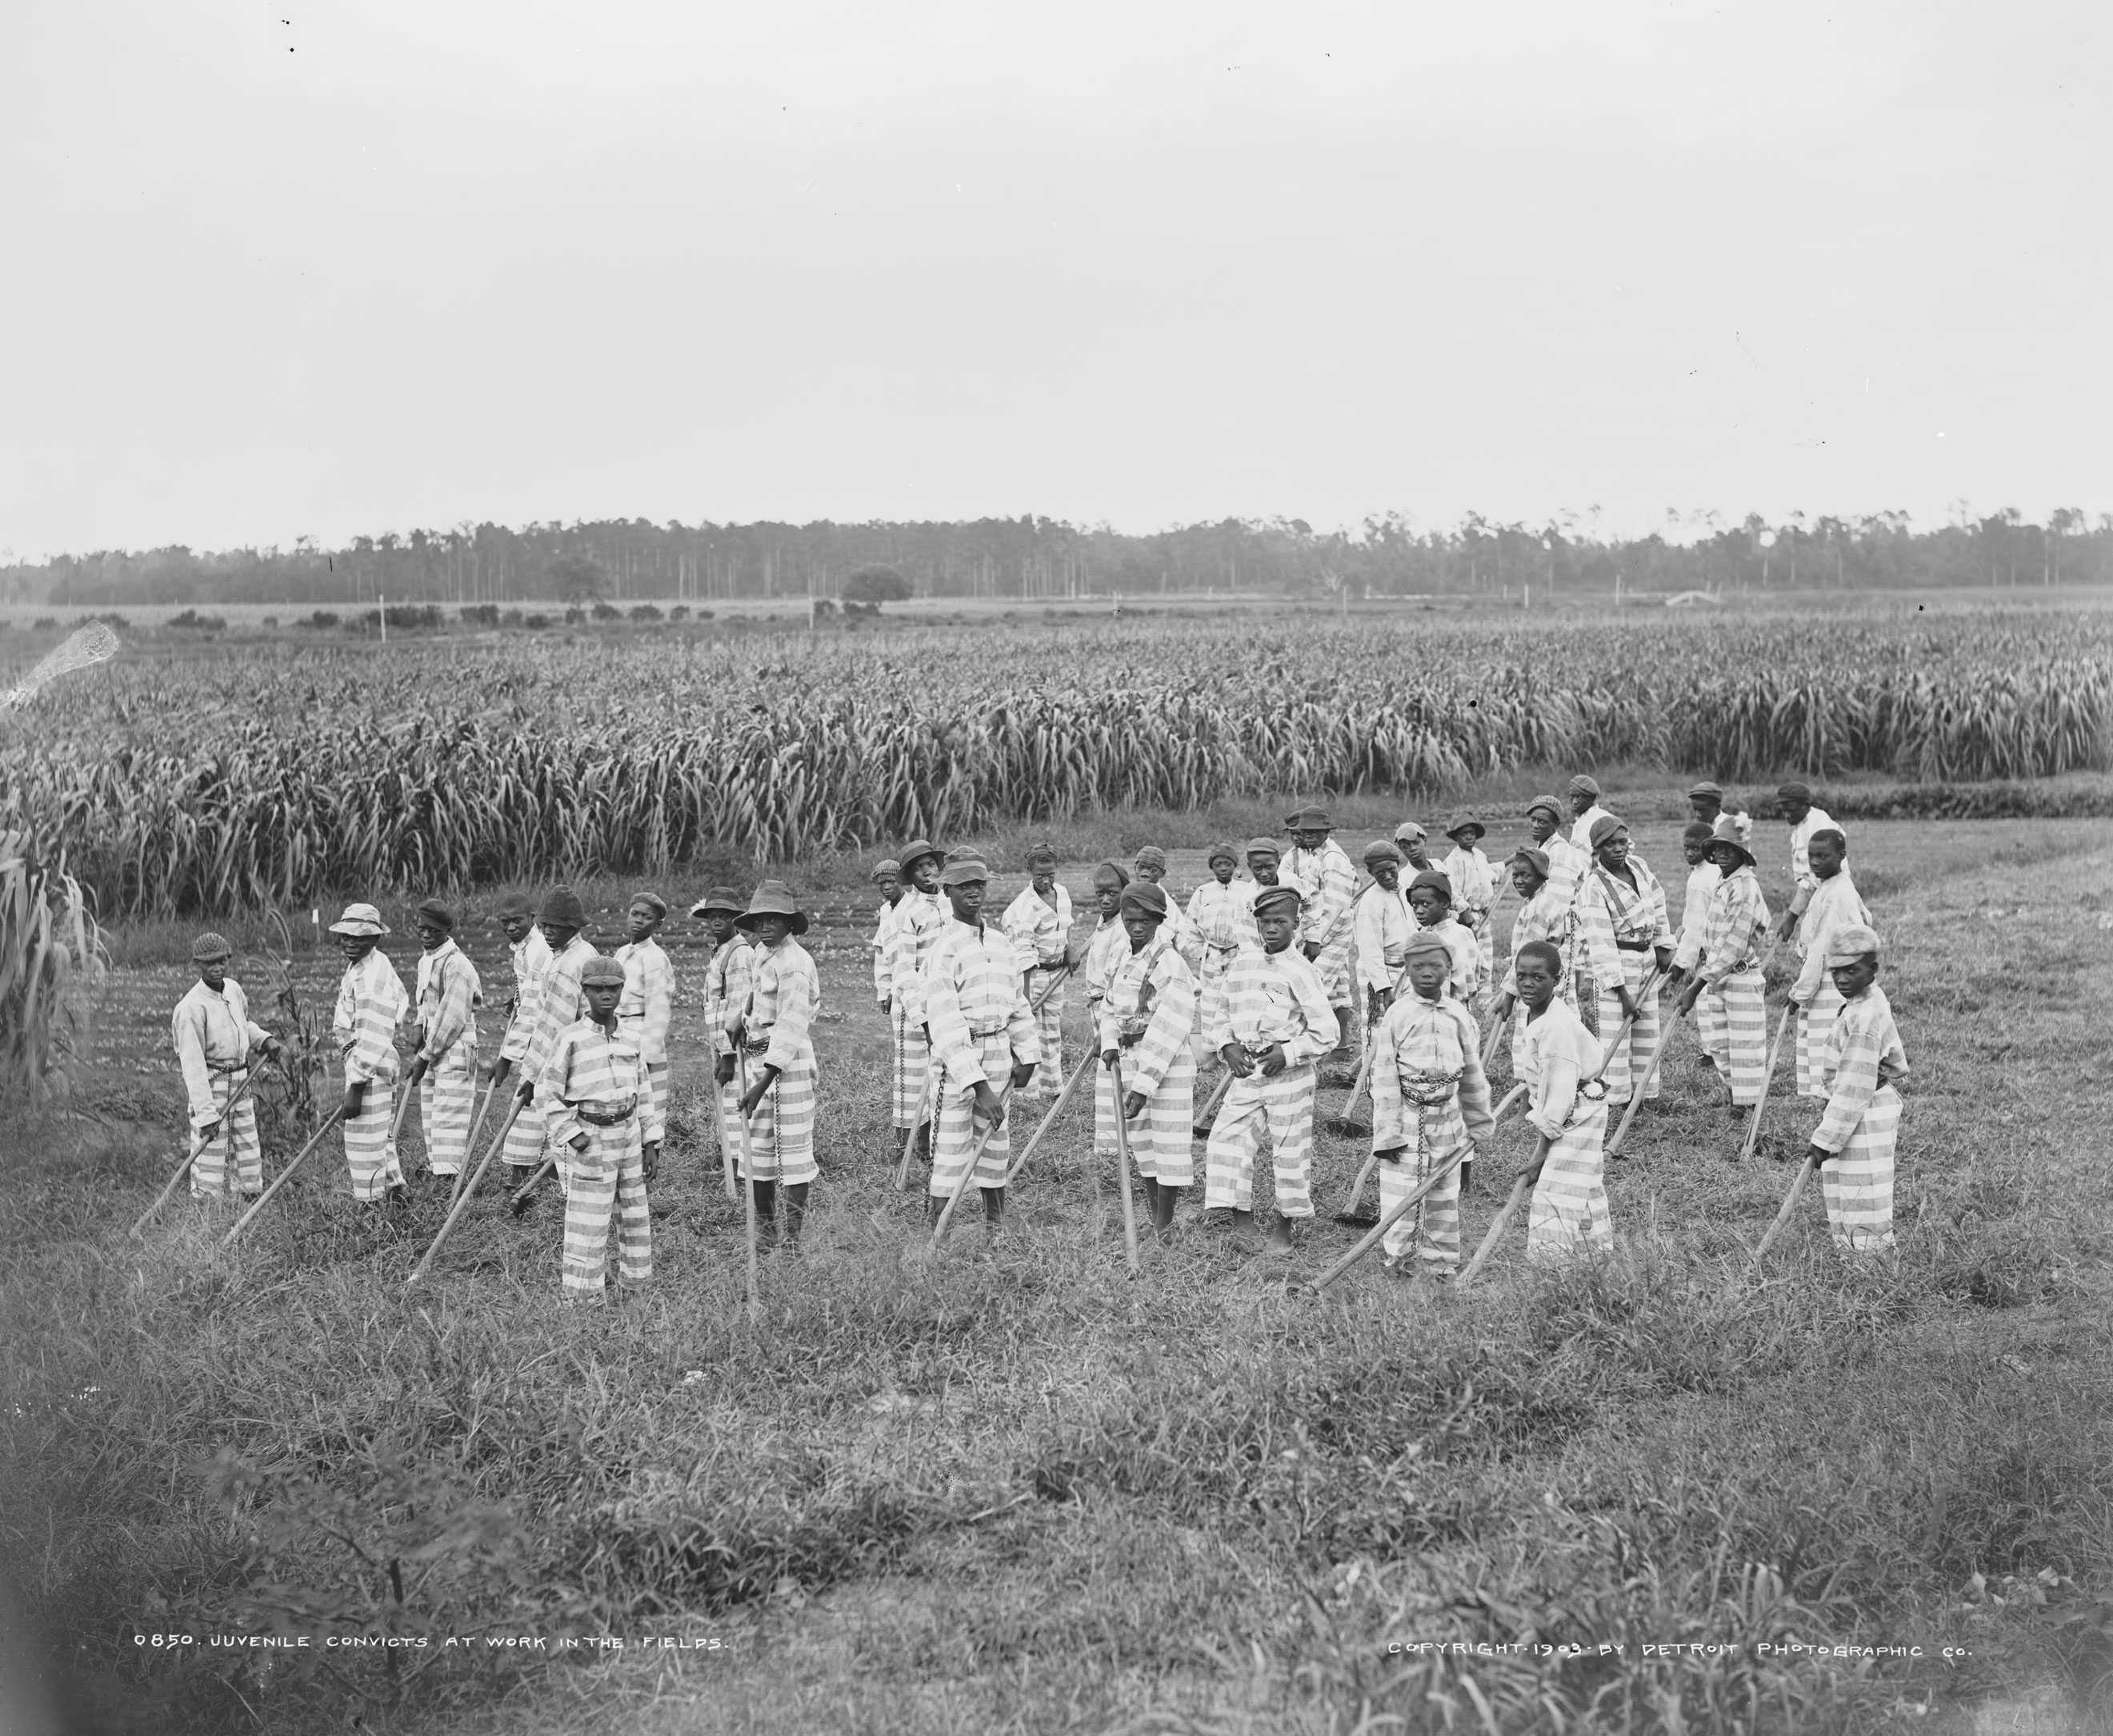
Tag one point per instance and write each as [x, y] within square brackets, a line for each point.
[1726, 830]
[723, 898]
[361, 920]
[774, 898]
[915, 851]
[1462, 821]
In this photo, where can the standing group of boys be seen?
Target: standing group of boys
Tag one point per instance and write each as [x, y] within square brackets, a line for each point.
[1270, 974]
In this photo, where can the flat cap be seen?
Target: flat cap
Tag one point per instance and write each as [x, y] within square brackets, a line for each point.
[964, 871]
[562, 909]
[433, 910]
[886, 865]
[1847, 944]
[1222, 853]
[209, 946]
[603, 969]
[1109, 865]
[1706, 787]
[1794, 792]
[652, 900]
[1379, 850]
[1580, 785]
[1268, 847]
[1533, 858]
[1273, 898]
[1409, 829]
[1605, 827]
[1426, 939]
[1431, 881]
[1309, 818]
[1152, 856]
[1546, 805]
[1141, 897]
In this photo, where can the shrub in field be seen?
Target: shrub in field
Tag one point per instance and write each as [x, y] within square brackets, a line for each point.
[44, 624]
[192, 621]
[480, 614]
[536, 621]
[575, 616]
[680, 612]
[645, 612]
[322, 619]
[605, 611]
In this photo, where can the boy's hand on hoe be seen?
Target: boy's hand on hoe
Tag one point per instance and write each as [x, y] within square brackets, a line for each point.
[1236, 1060]
[754, 1095]
[527, 1093]
[1820, 1154]
[1629, 1009]
[353, 1094]
[1688, 995]
[1133, 1105]
[989, 1105]
[1022, 1072]
[1312, 950]
[722, 1070]
[650, 1161]
[209, 1132]
[418, 1070]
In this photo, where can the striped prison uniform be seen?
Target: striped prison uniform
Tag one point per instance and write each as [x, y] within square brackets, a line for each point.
[1105, 950]
[1559, 1064]
[530, 958]
[1568, 866]
[1834, 903]
[883, 938]
[594, 1085]
[1580, 828]
[1545, 916]
[1325, 919]
[1382, 928]
[1465, 979]
[1268, 998]
[558, 1003]
[1474, 895]
[213, 1034]
[1731, 972]
[1430, 1095]
[1185, 937]
[726, 990]
[919, 920]
[784, 993]
[1619, 927]
[1702, 882]
[1802, 879]
[1148, 1017]
[449, 992]
[1222, 916]
[1862, 1122]
[370, 1003]
[981, 1029]
[646, 1010]
[1039, 931]
[1251, 927]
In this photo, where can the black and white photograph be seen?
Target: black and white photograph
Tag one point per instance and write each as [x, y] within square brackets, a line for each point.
[1181, 870]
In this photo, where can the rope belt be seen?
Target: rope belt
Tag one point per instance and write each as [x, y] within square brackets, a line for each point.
[610, 1115]
[227, 1068]
[1130, 1032]
[1046, 965]
[1633, 945]
[1426, 1090]
[986, 1034]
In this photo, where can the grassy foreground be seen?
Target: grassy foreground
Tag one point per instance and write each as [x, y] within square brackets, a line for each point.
[1029, 1493]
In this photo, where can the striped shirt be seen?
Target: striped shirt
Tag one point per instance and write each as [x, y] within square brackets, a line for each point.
[1694, 914]
[1546, 916]
[558, 1003]
[1609, 910]
[919, 920]
[1183, 935]
[1738, 922]
[1382, 926]
[883, 940]
[1272, 997]
[589, 1065]
[212, 1034]
[1868, 1055]
[1299, 884]
[1431, 1039]
[1580, 828]
[726, 988]
[646, 1007]
[1104, 951]
[1556, 1054]
[449, 993]
[784, 993]
[1038, 930]
[1474, 885]
[973, 995]
[1149, 1014]
[1835, 904]
[1466, 977]
[370, 1003]
[1566, 867]
[532, 958]
[1324, 918]
[1223, 916]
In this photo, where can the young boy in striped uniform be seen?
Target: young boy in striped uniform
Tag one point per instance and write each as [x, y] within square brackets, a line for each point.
[1794, 801]
[1730, 967]
[726, 988]
[557, 1004]
[1038, 925]
[771, 1033]
[593, 1097]
[1834, 904]
[1221, 911]
[647, 1009]
[1557, 1059]
[1430, 903]
[920, 918]
[213, 1035]
[1542, 917]
[1567, 863]
[1324, 931]
[1411, 841]
[1586, 812]
[1147, 1019]
[1702, 882]
[887, 881]
[1622, 921]
[1383, 926]
[982, 1029]
[530, 955]
[1265, 863]
[444, 1068]
[1270, 1021]
[1474, 886]
[1150, 869]
[1854, 1142]
[370, 1003]
[1105, 947]
[1429, 1097]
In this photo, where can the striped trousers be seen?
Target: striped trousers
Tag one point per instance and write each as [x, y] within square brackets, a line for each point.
[1858, 1183]
[781, 1132]
[524, 1139]
[1162, 1138]
[1626, 1064]
[608, 1180]
[913, 1060]
[1743, 1056]
[1049, 1025]
[1708, 1020]
[957, 1127]
[446, 1096]
[1568, 1211]
[209, 1173]
[1815, 1040]
[1284, 1105]
[1435, 1225]
[369, 1152]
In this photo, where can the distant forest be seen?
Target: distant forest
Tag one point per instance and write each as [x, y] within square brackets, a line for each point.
[1032, 558]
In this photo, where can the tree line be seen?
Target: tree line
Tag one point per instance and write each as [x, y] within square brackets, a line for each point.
[1029, 558]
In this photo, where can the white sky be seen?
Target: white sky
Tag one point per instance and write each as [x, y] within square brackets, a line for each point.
[1144, 262]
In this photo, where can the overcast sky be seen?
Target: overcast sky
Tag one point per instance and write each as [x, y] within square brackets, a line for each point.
[281, 270]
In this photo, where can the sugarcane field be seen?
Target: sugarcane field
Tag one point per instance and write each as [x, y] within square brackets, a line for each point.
[1385, 1352]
